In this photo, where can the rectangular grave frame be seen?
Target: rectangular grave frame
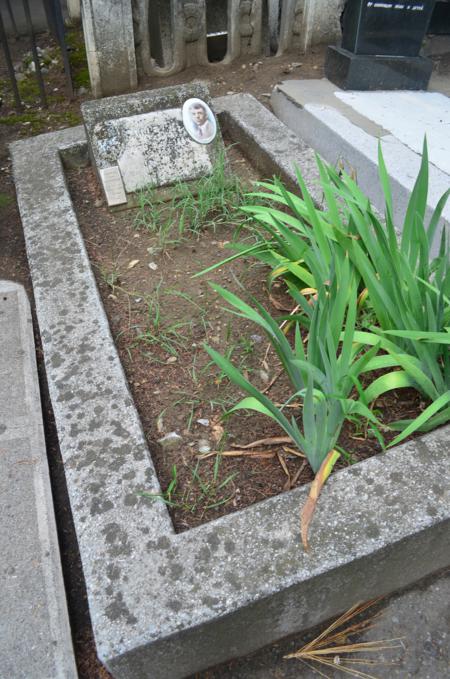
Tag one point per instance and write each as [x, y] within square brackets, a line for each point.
[167, 605]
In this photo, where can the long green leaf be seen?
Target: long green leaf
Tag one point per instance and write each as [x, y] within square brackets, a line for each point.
[427, 414]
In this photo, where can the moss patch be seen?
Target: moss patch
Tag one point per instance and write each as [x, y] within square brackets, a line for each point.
[5, 200]
[40, 121]
[77, 58]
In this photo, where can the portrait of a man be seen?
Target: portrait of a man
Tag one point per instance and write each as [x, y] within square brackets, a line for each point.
[199, 121]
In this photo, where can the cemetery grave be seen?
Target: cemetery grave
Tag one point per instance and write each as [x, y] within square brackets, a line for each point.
[114, 242]
[161, 605]
[145, 270]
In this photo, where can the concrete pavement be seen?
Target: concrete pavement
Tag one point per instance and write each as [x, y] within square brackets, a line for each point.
[35, 637]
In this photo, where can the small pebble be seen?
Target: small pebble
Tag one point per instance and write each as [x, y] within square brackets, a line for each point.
[264, 376]
[204, 446]
[153, 266]
[170, 440]
[204, 422]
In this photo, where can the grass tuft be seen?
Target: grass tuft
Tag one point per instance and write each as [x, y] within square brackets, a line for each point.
[213, 200]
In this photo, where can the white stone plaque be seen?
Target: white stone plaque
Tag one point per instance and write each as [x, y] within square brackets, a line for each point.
[113, 185]
[151, 149]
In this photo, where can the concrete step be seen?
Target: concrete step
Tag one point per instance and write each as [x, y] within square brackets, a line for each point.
[345, 127]
[35, 637]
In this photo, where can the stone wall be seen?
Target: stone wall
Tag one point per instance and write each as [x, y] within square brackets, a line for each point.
[161, 37]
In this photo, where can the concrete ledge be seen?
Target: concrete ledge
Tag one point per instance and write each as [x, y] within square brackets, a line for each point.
[168, 605]
[339, 133]
[35, 638]
[270, 145]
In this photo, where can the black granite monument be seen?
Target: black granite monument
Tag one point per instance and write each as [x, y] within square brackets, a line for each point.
[381, 41]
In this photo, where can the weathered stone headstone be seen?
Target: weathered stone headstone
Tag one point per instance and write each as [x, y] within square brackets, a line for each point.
[140, 140]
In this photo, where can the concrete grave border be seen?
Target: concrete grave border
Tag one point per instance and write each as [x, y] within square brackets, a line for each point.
[167, 605]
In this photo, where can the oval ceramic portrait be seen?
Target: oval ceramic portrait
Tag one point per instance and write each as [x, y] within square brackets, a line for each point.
[199, 121]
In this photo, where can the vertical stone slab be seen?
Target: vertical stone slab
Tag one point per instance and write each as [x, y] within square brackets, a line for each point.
[321, 22]
[141, 17]
[194, 32]
[35, 638]
[244, 28]
[74, 10]
[291, 25]
[184, 25]
[273, 11]
[309, 22]
[110, 51]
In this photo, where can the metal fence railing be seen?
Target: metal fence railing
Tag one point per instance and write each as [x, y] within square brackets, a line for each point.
[55, 22]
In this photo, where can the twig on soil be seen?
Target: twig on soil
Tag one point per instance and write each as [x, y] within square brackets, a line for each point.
[284, 467]
[293, 451]
[239, 453]
[272, 382]
[273, 441]
[296, 476]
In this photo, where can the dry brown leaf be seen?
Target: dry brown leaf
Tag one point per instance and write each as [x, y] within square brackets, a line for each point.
[316, 486]
[160, 424]
[283, 465]
[289, 405]
[238, 453]
[278, 305]
[217, 431]
[282, 461]
[275, 440]
[293, 451]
